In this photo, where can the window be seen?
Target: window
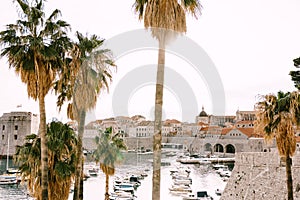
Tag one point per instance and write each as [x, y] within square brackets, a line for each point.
[16, 127]
[2, 137]
[16, 137]
[3, 127]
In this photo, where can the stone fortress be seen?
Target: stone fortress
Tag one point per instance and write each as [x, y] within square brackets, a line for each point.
[14, 127]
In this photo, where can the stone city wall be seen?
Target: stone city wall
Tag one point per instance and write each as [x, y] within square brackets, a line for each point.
[141, 142]
[261, 176]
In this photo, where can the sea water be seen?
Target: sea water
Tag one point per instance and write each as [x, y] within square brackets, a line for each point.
[204, 178]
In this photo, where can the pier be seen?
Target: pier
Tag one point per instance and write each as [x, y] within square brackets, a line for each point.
[205, 160]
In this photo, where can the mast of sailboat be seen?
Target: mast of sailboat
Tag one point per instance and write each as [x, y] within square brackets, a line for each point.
[7, 155]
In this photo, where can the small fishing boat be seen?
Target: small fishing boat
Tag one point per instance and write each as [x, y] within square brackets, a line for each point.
[7, 179]
[123, 186]
[218, 192]
[201, 195]
[121, 195]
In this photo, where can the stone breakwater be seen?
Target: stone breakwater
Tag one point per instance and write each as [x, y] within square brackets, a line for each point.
[261, 176]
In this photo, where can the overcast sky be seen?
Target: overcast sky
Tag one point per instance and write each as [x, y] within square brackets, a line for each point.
[251, 43]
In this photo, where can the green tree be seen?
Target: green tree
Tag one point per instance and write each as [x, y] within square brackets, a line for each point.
[277, 117]
[163, 17]
[81, 86]
[62, 146]
[108, 153]
[35, 47]
[295, 75]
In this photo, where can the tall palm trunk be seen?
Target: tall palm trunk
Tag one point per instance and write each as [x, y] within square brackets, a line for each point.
[44, 149]
[289, 179]
[157, 137]
[106, 186]
[78, 187]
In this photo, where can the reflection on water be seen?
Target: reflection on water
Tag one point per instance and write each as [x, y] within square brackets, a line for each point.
[203, 176]
[16, 192]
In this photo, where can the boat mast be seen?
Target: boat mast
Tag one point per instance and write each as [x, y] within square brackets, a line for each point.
[7, 155]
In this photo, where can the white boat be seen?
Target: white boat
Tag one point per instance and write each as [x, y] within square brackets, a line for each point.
[218, 166]
[222, 169]
[91, 170]
[7, 179]
[11, 177]
[171, 154]
[202, 161]
[121, 195]
[181, 177]
[225, 173]
[184, 170]
[180, 188]
[145, 152]
[182, 182]
[218, 192]
[123, 186]
[201, 195]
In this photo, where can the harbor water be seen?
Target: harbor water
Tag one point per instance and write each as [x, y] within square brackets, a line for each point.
[204, 178]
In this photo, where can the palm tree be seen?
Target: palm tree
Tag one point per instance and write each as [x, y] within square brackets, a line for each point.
[108, 153]
[91, 75]
[277, 116]
[163, 17]
[35, 47]
[295, 75]
[61, 163]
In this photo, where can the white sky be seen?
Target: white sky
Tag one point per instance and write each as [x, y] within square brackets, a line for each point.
[252, 44]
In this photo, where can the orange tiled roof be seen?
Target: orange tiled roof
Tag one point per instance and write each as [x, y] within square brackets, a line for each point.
[202, 124]
[247, 131]
[210, 128]
[225, 131]
[144, 123]
[245, 122]
[172, 121]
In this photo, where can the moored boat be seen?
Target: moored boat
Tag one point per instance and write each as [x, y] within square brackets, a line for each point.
[7, 179]
[218, 192]
[201, 195]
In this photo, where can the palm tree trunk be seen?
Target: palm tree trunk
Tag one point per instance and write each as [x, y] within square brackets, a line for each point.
[44, 149]
[289, 178]
[157, 137]
[78, 190]
[106, 186]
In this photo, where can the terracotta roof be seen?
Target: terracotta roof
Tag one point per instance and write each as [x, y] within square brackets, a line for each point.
[109, 119]
[212, 129]
[172, 121]
[202, 124]
[92, 123]
[245, 122]
[225, 131]
[136, 117]
[145, 123]
[247, 131]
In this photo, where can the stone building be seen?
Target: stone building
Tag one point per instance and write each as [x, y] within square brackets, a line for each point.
[215, 120]
[14, 127]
